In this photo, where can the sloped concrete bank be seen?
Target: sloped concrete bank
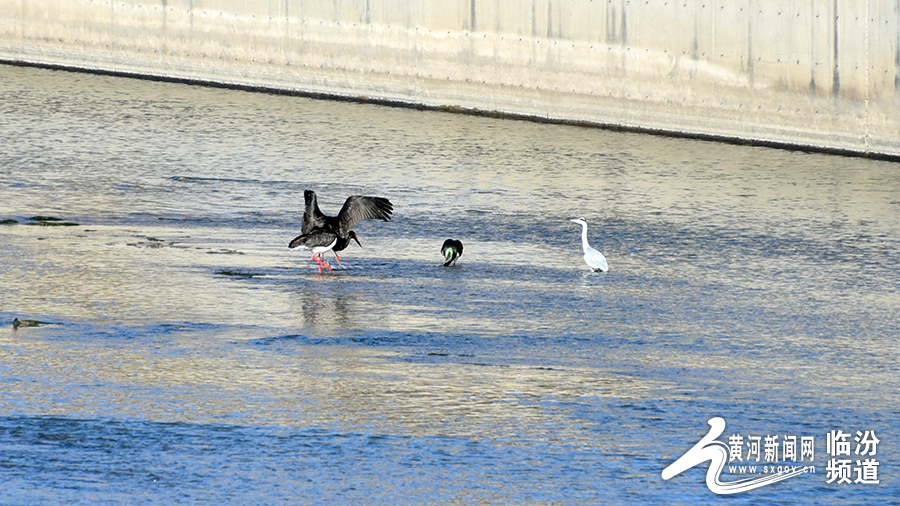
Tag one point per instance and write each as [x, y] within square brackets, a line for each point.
[821, 75]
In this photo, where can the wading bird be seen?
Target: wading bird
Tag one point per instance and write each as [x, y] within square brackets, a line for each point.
[321, 240]
[318, 241]
[452, 250]
[342, 244]
[593, 258]
[321, 233]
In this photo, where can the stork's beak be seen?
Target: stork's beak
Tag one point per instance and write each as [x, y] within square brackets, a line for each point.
[357, 240]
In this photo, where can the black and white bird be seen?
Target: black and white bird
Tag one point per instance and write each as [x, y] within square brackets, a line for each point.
[593, 258]
[318, 241]
[321, 233]
[452, 250]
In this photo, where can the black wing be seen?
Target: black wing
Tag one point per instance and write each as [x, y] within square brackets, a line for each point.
[358, 208]
[312, 215]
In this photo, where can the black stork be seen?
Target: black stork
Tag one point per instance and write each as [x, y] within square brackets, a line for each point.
[452, 250]
[320, 233]
[314, 218]
[318, 241]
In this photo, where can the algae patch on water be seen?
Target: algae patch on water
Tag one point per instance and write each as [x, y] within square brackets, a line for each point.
[28, 323]
[50, 221]
[8, 221]
[238, 274]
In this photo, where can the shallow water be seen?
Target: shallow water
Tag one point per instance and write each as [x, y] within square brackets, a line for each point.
[753, 284]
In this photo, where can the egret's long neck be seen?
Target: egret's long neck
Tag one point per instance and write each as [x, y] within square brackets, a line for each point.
[584, 241]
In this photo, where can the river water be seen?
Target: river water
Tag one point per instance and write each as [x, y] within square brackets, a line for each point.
[191, 357]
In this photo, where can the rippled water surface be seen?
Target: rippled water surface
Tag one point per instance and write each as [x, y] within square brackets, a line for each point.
[190, 357]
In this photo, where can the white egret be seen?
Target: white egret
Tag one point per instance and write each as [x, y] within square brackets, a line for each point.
[593, 258]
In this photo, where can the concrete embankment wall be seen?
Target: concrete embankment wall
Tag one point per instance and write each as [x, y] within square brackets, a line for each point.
[821, 74]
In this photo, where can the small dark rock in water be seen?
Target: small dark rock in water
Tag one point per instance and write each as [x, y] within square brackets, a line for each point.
[28, 323]
[8, 221]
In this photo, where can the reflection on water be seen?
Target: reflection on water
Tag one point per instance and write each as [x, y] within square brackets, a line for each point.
[194, 356]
